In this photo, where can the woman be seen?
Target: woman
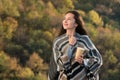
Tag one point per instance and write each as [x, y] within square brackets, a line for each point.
[65, 65]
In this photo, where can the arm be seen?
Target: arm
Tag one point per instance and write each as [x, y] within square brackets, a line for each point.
[95, 58]
[57, 62]
[94, 63]
[61, 61]
[53, 72]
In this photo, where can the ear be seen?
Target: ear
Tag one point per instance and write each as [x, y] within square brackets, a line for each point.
[76, 24]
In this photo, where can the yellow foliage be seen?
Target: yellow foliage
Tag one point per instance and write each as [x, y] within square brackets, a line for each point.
[7, 62]
[41, 76]
[33, 14]
[13, 63]
[82, 13]
[9, 25]
[25, 73]
[102, 31]
[35, 62]
[69, 4]
[110, 56]
[11, 7]
[48, 35]
[113, 71]
[1, 8]
[95, 18]
[3, 56]
[50, 9]
[91, 30]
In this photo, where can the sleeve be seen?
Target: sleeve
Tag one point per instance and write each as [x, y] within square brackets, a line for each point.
[53, 72]
[59, 61]
[95, 61]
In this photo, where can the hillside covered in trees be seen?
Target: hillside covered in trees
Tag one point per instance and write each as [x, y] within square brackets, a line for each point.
[28, 27]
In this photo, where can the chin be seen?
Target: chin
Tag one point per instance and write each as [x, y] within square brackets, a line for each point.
[64, 27]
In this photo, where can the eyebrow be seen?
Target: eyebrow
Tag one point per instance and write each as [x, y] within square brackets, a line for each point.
[69, 17]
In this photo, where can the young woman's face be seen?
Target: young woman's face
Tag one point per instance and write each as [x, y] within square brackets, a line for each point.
[69, 22]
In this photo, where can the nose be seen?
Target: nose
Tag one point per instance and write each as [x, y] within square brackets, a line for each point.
[65, 21]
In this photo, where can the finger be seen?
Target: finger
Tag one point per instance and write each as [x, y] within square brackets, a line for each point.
[69, 36]
[79, 59]
[81, 56]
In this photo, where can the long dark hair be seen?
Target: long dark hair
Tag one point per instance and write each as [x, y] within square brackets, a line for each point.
[79, 28]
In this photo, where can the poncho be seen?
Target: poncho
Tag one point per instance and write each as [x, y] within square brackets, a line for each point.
[64, 67]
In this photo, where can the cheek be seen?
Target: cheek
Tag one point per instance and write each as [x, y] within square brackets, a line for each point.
[63, 21]
[72, 23]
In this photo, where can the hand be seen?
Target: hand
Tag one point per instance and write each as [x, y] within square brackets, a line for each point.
[79, 59]
[72, 40]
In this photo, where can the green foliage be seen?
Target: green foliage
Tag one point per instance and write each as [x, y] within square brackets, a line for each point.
[83, 5]
[40, 42]
[36, 42]
[63, 5]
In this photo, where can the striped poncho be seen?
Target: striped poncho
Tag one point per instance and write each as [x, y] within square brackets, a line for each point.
[63, 65]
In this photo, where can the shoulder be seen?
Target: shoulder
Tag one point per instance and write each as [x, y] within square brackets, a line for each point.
[82, 36]
[86, 39]
[59, 39]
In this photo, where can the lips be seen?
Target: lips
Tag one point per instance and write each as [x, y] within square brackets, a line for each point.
[65, 24]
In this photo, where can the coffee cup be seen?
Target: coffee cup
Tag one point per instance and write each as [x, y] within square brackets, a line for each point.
[79, 52]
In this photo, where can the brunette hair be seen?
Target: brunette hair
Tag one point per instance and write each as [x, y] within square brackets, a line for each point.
[79, 21]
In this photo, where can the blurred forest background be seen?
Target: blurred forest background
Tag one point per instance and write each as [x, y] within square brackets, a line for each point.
[28, 27]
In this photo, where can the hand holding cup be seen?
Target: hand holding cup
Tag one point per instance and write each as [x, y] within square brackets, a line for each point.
[79, 54]
[72, 40]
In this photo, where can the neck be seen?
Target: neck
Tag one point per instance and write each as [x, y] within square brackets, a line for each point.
[70, 32]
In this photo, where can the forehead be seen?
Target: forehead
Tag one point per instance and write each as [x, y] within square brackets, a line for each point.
[69, 15]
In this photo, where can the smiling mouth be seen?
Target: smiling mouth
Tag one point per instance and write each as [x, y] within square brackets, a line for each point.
[65, 24]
